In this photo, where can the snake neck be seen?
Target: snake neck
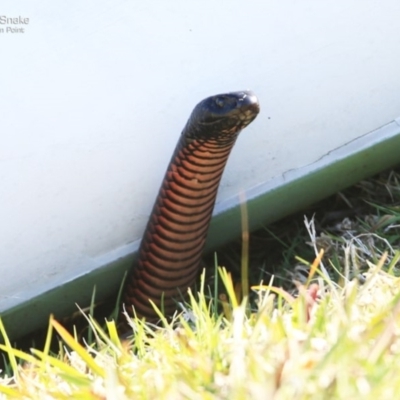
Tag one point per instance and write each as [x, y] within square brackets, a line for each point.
[171, 250]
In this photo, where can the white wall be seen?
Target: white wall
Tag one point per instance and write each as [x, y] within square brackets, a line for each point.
[94, 94]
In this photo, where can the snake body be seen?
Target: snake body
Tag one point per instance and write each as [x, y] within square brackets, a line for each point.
[173, 241]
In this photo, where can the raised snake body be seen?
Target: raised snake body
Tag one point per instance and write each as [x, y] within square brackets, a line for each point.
[172, 245]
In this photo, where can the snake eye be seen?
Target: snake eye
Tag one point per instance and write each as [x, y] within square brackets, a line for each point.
[219, 101]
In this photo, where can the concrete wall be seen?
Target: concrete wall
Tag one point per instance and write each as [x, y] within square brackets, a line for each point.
[94, 95]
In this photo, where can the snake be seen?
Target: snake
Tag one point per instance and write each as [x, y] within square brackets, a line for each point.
[170, 252]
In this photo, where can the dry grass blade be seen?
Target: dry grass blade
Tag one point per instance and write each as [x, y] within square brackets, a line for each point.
[80, 350]
[8, 348]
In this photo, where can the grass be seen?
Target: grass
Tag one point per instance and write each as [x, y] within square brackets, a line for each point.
[324, 324]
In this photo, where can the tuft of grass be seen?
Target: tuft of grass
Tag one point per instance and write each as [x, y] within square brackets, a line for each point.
[330, 341]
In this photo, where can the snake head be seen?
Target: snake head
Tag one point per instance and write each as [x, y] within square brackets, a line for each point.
[223, 114]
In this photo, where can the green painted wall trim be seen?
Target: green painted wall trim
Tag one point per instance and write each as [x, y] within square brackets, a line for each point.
[266, 203]
[298, 188]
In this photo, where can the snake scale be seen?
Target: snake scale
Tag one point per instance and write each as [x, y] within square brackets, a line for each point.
[171, 248]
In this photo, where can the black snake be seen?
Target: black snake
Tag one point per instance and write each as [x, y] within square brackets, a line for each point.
[172, 245]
